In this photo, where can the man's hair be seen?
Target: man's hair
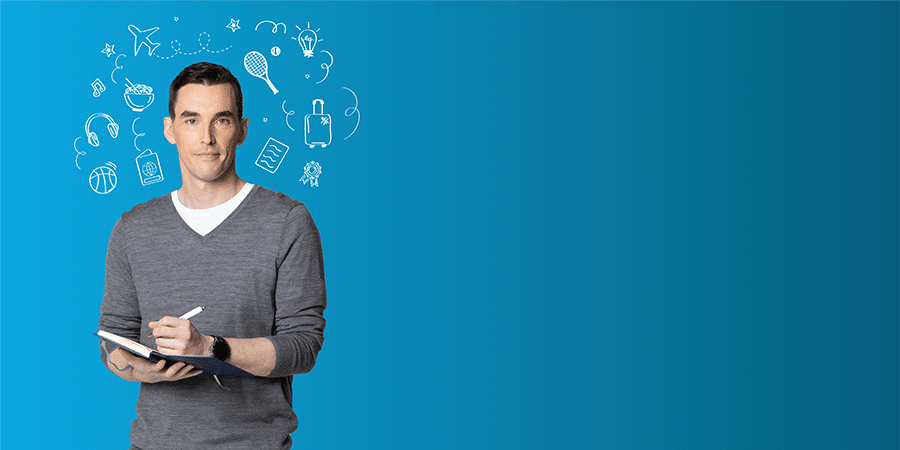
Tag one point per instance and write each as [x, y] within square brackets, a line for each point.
[206, 74]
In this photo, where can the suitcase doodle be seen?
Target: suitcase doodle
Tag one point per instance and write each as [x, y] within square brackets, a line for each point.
[317, 126]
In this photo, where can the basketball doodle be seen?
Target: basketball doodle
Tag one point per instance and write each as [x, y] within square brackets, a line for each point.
[103, 179]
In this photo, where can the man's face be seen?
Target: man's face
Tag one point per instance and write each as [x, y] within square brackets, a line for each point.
[206, 130]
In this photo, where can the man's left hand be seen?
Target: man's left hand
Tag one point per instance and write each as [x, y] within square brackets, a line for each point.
[176, 336]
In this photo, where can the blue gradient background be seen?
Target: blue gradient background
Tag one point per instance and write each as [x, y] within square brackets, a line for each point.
[559, 225]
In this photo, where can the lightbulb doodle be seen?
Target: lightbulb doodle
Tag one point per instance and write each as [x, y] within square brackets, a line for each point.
[274, 26]
[116, 68]
[103, 179]
[311, 174]
[307, 40]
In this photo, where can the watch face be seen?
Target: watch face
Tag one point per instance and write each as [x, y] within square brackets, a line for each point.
[220, 348]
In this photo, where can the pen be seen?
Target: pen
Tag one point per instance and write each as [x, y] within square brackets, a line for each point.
[189, 314]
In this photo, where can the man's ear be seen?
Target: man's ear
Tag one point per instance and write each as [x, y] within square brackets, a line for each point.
[245, 122]
[167, 130]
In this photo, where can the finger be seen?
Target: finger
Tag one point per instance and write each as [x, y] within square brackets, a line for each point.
[170, 321]
[174, 371]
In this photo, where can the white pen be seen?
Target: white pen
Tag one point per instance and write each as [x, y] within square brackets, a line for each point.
[189, 314]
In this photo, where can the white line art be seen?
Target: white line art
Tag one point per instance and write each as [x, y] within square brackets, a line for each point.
[176, 18]
[113, 128]
[274, 26]
[79, 152]
[307, 40]
[256, 65]
[136, 135]
[275, 51]
[317, 126]
[176, 47]
[148, 167]
[109, 50]
[234, 25]
[326, 66]
[142, 37]
[117, 68]
[138, 96]
[103, 179]
[351, 111]
[98, 87]
[288, 114]
[272, 155]
[311, 174]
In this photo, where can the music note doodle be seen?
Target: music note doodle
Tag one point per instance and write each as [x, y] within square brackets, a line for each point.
[98, 87]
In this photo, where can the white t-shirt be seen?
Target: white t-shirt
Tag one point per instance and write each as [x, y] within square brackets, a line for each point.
[205, 220]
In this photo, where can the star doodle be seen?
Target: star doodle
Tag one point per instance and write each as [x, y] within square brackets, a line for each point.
[234, 25]
[109, 50]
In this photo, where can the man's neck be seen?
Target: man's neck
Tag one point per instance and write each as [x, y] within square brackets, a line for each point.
[204, 195]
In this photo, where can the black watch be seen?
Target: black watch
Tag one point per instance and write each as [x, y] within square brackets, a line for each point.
[220, 348]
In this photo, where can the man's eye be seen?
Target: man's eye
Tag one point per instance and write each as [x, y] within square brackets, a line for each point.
[190, 121]
[224, 121]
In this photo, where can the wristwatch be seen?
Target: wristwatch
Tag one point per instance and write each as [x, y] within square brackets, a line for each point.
[219, 348]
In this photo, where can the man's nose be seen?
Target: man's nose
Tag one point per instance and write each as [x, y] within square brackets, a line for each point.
[209, 135]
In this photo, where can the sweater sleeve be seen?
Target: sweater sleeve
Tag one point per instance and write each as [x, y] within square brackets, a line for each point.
[119, 312]
[299, 296]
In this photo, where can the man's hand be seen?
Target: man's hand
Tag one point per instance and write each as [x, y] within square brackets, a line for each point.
[176, 336]
[135, 368]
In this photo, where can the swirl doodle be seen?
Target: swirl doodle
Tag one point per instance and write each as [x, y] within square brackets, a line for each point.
[288, 114]
[176, 47]
[77, 151]
[274, 26]
[117, 68]
[351, 111]
[326, 66]
[136, 135]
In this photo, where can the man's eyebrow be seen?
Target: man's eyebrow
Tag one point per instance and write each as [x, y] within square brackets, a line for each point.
[189, 114]
[224, 114]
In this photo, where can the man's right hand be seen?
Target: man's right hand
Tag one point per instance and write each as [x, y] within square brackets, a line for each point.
[145, 371]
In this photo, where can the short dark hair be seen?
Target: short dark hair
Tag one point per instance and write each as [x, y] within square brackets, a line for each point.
[206, 74]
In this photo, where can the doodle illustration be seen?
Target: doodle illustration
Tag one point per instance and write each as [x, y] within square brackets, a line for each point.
[141, 38]
[117, 68]
[148, 167]
[325, 66]
[317, 126]
[272, 155]
[204, 47]
[79, 152]
[98, 87]
[112, 127]
[103, 179]
[138, 96]
[233, 25]
[136, 135]
[351, 111]
[256, 65]
[307, 40]
[311, 174]
[287, 114]
[276, 51]
[274, 26]
[108, 50]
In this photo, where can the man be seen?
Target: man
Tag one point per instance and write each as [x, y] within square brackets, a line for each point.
[251, 256]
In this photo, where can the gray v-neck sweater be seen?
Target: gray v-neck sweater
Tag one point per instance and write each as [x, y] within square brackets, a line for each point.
[260, 274]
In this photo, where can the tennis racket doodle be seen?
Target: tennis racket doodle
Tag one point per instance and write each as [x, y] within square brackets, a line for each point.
[256, 65]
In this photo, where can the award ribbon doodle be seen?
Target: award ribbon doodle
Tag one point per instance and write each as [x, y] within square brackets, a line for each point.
[311, 173]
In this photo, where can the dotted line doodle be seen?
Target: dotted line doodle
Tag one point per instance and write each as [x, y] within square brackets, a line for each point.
[117, 68]
[274, 26]
[289, 114]
[351, 111]
[176, 47]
